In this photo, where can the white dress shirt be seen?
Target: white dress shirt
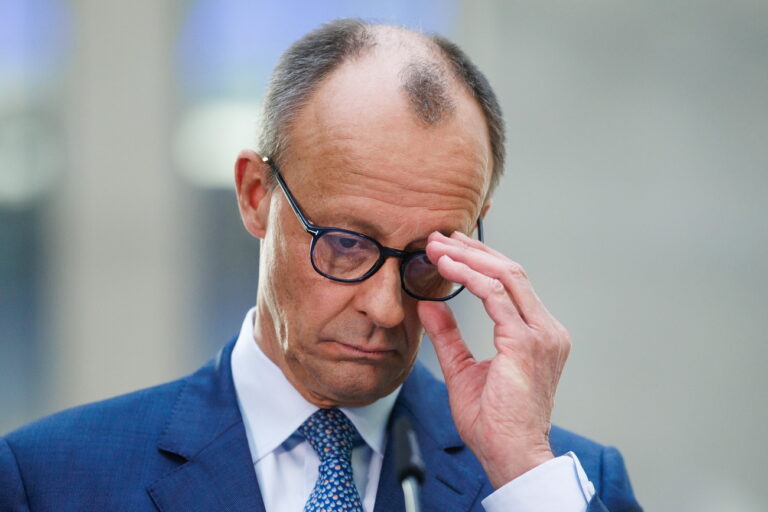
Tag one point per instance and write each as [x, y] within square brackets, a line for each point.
[287, 466]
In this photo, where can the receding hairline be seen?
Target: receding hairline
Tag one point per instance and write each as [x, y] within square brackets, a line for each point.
[433, 72]
[427, 79]
[426, 76]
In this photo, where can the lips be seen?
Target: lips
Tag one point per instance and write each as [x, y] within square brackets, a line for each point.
[367, 352]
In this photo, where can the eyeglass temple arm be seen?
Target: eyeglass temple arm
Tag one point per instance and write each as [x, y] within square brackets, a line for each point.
[311, 228]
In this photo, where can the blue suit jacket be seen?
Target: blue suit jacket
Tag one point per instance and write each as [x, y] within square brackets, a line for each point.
[182, 447]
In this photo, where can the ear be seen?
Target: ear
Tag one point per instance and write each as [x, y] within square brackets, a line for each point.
[253, 193]
[485, 208]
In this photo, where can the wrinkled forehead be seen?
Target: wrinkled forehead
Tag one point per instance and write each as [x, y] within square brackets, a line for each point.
[359, 134]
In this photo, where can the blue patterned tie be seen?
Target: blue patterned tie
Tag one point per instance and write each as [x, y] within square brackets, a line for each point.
[331, 434]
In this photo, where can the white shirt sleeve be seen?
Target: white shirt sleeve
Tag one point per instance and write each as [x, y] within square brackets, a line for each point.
[558, 485]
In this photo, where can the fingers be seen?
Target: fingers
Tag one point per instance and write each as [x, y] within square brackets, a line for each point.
[440, 324]
[491, 291]
[484, 260]
[472, 242]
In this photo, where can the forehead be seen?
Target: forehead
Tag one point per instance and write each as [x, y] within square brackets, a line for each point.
[359, 146]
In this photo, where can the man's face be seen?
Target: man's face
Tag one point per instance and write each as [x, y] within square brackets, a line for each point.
[359, 159]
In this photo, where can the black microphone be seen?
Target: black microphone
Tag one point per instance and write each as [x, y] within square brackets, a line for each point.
[408, 463]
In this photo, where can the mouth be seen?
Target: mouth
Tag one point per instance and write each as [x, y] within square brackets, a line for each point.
[355, 352]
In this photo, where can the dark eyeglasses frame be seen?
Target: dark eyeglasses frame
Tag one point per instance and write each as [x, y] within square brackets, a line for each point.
[384, 252]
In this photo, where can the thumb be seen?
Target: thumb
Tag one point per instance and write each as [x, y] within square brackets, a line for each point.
[440, 324]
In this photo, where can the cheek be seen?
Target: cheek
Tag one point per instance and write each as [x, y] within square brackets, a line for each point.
[301, 302]
[280, 276]
[286, 262]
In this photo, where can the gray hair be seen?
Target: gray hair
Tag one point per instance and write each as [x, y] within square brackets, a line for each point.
[312, 58]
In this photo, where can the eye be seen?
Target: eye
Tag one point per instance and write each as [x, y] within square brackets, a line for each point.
[348, 243]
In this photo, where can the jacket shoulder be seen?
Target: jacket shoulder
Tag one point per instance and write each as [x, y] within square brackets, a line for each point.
[138, 412]
[96, 436]
[48, 460]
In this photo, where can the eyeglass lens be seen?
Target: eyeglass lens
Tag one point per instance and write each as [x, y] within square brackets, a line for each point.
[349, 257]
[421, 278]
[344, 255]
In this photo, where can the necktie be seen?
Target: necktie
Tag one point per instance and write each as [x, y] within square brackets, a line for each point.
[331, 433]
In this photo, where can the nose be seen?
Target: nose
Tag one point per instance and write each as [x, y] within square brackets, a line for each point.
[380, 296]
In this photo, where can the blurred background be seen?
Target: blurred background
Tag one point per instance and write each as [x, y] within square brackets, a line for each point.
[634, 196]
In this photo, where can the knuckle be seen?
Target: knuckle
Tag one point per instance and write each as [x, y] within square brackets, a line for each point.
[516, 270]
[541, 338]
[554, 339]
[563, 337]
[496, 286]
[554, 345]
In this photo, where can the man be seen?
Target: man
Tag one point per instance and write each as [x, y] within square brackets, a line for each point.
[378, 155]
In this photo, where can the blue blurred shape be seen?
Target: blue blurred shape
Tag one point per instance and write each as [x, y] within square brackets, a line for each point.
[34, 41]
[229, 47]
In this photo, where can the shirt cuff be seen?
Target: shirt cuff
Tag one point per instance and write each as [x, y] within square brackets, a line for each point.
[558, 485]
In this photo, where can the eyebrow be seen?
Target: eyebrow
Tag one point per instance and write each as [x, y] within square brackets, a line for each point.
[366, 227]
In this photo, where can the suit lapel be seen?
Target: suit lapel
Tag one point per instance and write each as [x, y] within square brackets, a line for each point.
[206, 434]
[454, 478]
[221, 477]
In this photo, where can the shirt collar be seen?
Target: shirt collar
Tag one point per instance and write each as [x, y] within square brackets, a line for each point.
[263, 391]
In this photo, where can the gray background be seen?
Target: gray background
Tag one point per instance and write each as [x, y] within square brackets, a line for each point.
[634, 197]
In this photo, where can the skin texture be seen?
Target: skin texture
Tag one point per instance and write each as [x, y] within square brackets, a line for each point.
[502, 407]
[360, 159]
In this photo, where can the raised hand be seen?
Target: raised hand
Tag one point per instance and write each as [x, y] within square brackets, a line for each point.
[502, 406]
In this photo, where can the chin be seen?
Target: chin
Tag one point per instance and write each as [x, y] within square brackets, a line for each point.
[358, 390]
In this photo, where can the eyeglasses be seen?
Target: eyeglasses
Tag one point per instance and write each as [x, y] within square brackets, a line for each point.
[350, 257]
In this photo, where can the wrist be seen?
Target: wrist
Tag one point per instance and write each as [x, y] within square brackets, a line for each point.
[503, 469]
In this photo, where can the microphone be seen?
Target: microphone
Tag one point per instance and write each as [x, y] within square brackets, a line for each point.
[408, 463]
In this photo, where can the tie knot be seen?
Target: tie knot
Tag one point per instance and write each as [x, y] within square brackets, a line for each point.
[330, 433]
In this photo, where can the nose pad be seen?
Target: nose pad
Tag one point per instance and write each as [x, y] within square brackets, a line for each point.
[380, 297]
